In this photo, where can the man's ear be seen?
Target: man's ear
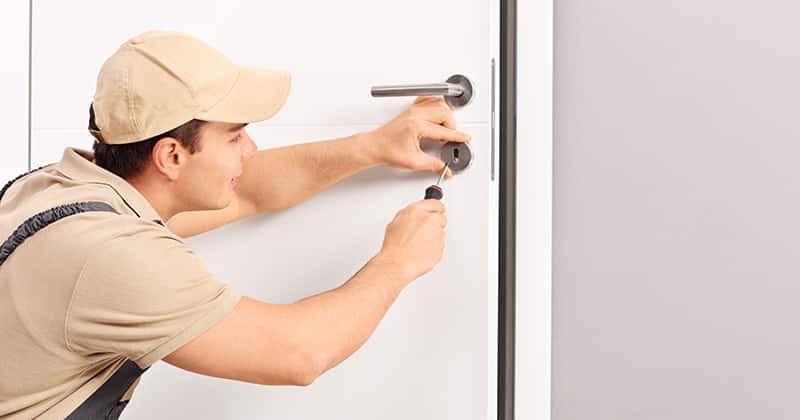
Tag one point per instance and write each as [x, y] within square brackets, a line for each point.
[169, 156]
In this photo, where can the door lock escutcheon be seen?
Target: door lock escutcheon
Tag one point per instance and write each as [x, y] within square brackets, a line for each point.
[457, 155]
[457, 90]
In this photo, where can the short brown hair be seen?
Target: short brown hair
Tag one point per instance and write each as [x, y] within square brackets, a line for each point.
[128, 160]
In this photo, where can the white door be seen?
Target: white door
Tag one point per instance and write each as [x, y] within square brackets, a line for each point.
[434, 354]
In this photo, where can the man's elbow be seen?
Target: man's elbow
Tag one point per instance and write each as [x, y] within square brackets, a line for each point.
[305, 378]
[289, 374]
[310, 368]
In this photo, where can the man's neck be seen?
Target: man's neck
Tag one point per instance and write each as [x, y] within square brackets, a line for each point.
[159, 197]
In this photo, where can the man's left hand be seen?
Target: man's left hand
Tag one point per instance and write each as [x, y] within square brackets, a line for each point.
[397, 143]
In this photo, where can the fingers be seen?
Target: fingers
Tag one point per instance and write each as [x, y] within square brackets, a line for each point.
[439, 165]
[436, 122]
[430, 163]
[435, 110]
[437, 132]
[434, 165]
[422, 99]
[439, 217]
[430, 205]
[447, 174]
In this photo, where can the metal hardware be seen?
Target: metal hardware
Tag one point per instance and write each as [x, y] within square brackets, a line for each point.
[457, 155]
[457, 90]
[493, 127]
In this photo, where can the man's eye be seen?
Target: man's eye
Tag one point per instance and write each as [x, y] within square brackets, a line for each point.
[237, 138]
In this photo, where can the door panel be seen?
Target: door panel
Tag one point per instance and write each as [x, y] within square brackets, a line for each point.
[433, 354]
[335, 51]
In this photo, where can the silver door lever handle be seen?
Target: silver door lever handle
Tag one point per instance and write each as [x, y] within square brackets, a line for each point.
[457, 90]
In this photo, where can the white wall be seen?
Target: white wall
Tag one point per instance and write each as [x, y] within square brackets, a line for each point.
[14, 89]
[675, 251]
[534, 189]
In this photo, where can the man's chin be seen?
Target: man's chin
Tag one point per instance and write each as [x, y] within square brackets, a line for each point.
[226, 201]
[220, 204]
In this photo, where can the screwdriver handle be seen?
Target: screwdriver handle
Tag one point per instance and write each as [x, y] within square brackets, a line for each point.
[434, 192]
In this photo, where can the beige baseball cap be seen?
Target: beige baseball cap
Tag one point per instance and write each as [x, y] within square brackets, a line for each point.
[160, 80]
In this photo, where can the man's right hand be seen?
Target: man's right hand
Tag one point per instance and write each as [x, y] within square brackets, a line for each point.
[414, 240]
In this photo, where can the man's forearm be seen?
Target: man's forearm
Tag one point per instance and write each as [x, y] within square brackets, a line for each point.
[281, 178]
[336, 323]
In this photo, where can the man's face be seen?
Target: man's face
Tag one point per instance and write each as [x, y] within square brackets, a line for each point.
[208, 179]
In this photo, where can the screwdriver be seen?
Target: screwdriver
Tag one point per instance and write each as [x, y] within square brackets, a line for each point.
[435, 191]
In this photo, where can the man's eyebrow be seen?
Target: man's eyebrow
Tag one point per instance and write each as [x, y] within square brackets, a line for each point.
[237, 127]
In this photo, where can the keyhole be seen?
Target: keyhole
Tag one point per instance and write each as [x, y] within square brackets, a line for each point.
[457, 155]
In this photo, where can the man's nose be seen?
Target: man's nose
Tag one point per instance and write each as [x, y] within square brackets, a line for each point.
[249, 147]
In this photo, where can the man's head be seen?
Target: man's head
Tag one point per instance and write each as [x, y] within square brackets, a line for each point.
[169, 113]
[198, 161]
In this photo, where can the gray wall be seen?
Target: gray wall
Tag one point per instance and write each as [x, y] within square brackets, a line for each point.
[676, 256]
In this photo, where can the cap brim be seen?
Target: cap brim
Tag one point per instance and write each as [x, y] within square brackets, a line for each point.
[257, 95]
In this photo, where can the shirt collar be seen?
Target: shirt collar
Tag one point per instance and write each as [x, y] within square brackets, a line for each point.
[77, 164]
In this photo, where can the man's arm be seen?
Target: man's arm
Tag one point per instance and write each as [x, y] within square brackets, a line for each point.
[295, 343]
[292, 344]
[281, 178]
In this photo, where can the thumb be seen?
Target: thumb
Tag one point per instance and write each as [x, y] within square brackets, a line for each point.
[436, 165]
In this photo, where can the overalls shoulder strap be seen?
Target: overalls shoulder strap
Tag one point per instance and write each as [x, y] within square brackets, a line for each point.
[9, 183]
[105, 402]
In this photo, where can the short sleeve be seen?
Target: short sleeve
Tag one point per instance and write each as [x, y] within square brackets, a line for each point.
[143, 295]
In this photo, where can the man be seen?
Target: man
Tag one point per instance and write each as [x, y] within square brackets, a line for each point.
[95, 287]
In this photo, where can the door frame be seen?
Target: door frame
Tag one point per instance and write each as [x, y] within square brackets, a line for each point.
[507, 223]
[524, 353]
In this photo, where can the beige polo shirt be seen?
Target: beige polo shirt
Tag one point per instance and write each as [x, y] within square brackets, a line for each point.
[84, 294]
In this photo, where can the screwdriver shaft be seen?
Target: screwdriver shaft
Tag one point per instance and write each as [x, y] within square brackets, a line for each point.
[444, 171]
